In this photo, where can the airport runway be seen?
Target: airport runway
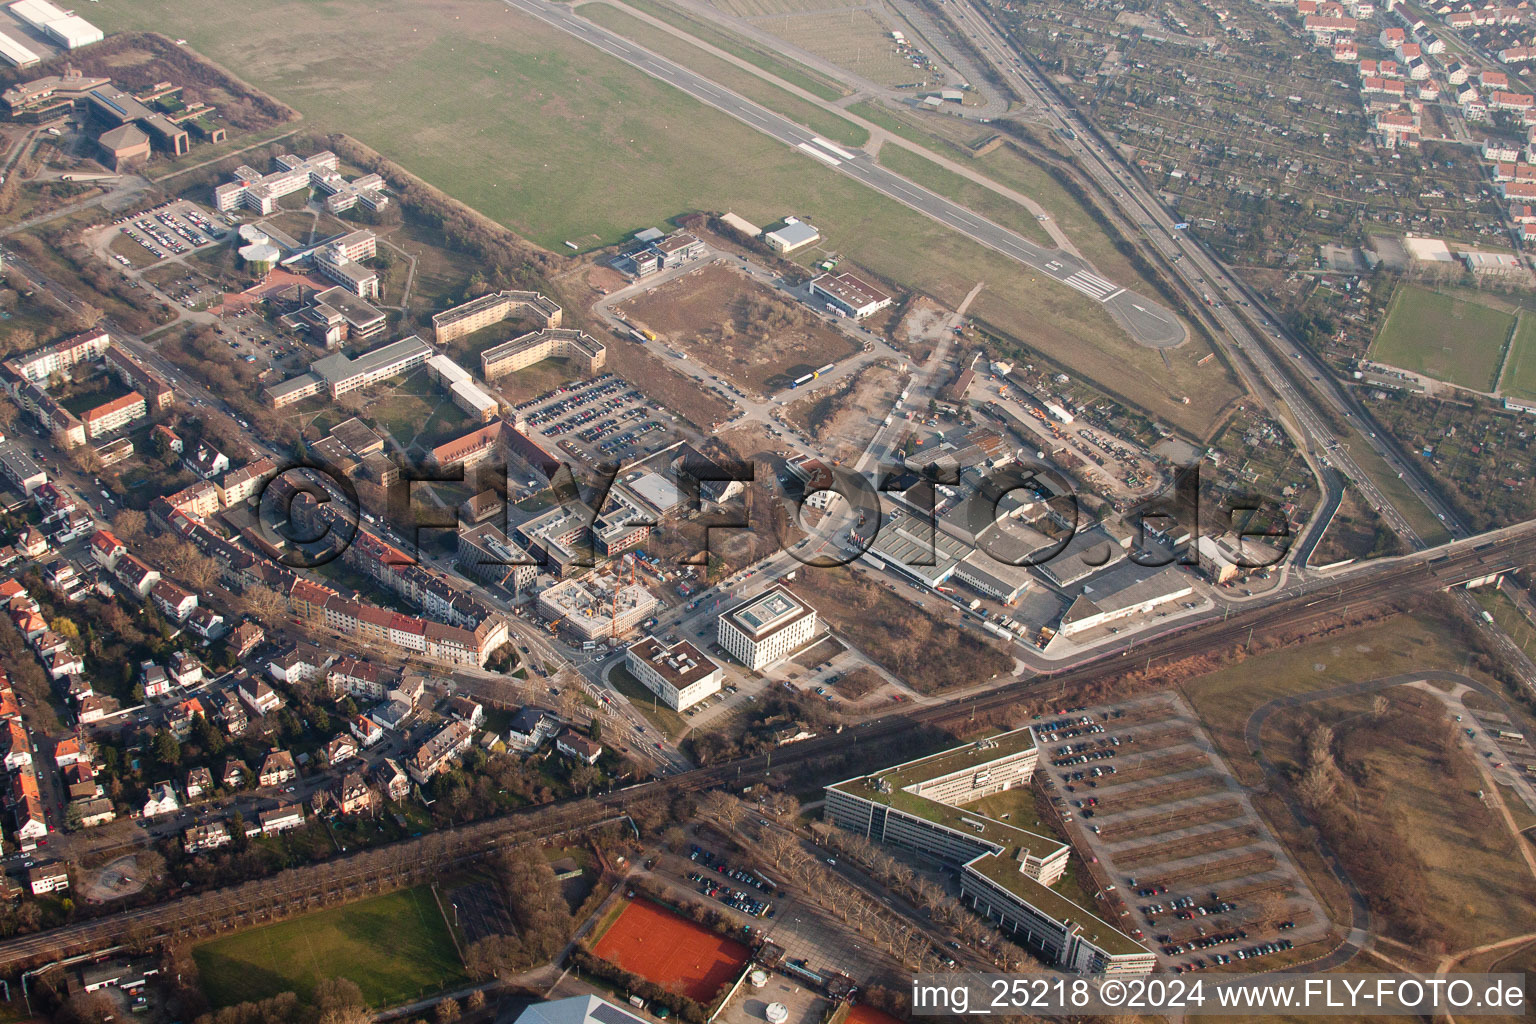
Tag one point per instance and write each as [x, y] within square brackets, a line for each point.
[1148, 322]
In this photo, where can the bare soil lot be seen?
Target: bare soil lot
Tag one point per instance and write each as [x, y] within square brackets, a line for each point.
[758, 338]
[842, 419]
[666, 387]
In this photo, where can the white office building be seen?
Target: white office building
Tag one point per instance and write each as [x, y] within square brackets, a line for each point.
[681, 675]
[767, 628]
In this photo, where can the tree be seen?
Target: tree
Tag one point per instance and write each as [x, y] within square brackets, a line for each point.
[167, 749]
[262, 603]
[85, 317]
[340, 1001]
[447, 1011]
[129, 524]
[595, 730]
[476, 1000]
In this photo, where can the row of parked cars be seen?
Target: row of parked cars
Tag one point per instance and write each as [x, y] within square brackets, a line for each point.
[578, 388]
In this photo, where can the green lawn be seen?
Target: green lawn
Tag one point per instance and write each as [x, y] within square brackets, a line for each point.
[1519, 379]
[396, 948]
[730, 76]
[789, 71]
[1442, 335]
[964, 191]
[1407, 643]
[561, 143]
[668, 721]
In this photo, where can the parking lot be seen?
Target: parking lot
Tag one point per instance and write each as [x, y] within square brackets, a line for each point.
[174, 229]
[604, 418]
[1199, 875]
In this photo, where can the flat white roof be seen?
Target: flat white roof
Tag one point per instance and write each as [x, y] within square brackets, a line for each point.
[16, 53]
[75, 32]
[37, 13]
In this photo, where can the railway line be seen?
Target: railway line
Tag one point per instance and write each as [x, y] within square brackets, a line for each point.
[1373, 586]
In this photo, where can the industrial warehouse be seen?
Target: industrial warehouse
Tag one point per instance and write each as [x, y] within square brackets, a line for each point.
[1006, 872]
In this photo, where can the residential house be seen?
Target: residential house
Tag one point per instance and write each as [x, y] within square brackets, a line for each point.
[278, 769]
[80, 781]
[155, 680]
[245, 638]
[352, 794]
[161, 800]
[255, 694]
[67, 751]
[578, 747]
[392, 782]
[135, 575]
[282, 819]
[298, 662]
[211, 836]
[18, 753]
[91, 709]
[174, 601]
[97, 810]
[185, 669]
[368, 732]
[466, 710]
[233, 774]
[199, 783]
[206, 623]
[439, 750]
[206, 461]
[46, 878]
[530, 728]
[342, 748]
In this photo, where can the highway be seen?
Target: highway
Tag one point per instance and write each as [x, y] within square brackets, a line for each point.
[1149, 322]
[1264, 346]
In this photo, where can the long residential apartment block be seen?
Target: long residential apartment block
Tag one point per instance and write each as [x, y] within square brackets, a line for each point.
[490, 309]
[1005, 872]
[552, 343]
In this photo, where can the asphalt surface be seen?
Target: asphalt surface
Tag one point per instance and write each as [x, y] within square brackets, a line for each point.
[1280, 364]
[1148, 322]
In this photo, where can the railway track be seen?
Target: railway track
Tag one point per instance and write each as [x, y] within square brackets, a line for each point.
[1375, 586]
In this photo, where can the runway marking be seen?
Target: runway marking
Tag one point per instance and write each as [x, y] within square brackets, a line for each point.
[830, 148]
[1091, 285]
[830, 161]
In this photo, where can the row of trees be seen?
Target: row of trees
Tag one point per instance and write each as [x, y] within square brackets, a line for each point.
[794, 862]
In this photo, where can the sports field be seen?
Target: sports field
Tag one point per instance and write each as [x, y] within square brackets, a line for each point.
[395, 947]
[1442, 335]
[675, 953]
[1519, 378]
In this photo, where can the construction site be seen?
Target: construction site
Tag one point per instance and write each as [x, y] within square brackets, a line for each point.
[596, 607]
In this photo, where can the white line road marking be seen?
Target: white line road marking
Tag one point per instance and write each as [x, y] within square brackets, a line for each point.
[830, 148]
[830, 161]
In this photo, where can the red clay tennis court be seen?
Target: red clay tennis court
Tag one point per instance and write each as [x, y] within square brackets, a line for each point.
[675, 953]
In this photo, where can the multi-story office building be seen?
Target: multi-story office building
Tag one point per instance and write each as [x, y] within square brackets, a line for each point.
[681, 675]
[338, 374]
[766, 628]
[1006, 872]
[597, 607]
